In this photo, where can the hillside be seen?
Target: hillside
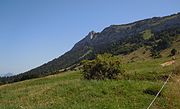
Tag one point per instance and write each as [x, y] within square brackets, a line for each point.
[69, 91]
[154, 35]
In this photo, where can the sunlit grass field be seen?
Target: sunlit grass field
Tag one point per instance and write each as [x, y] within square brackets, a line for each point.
[69, 90]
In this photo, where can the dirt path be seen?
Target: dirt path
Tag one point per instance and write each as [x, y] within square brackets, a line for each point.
[167, 63]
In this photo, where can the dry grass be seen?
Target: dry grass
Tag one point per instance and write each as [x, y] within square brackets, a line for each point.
[173, 93]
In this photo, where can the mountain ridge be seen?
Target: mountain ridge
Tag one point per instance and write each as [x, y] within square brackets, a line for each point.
[112, 39]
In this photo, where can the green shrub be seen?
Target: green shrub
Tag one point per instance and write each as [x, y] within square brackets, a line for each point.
[173, 52]
[155, 54]
[105, 66]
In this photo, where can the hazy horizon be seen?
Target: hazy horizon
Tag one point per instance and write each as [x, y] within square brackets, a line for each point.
[37, 31]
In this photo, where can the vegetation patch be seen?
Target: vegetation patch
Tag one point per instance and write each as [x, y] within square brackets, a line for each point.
[105, 66]
[147, 34]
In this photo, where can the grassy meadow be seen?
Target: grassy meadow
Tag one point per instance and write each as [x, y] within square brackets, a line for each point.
[69, 90]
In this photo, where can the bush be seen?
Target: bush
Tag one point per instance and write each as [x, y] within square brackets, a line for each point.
[173, 52]
[155, 54]
[105, 66]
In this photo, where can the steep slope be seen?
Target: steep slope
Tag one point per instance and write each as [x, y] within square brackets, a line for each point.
[151, 33]
[95, 43]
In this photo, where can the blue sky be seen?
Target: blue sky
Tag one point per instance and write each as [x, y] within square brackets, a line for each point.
[33, 32]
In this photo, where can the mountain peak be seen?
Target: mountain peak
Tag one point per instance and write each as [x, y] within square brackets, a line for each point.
[92, 34]
[115, 39]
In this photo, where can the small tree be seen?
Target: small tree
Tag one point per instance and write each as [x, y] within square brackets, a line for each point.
[155, 54]
[173, 52]
[105, 66]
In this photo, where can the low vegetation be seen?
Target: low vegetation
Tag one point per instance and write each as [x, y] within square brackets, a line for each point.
[135, 90]
[105, 66]
[173, 52]
[68, 91]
